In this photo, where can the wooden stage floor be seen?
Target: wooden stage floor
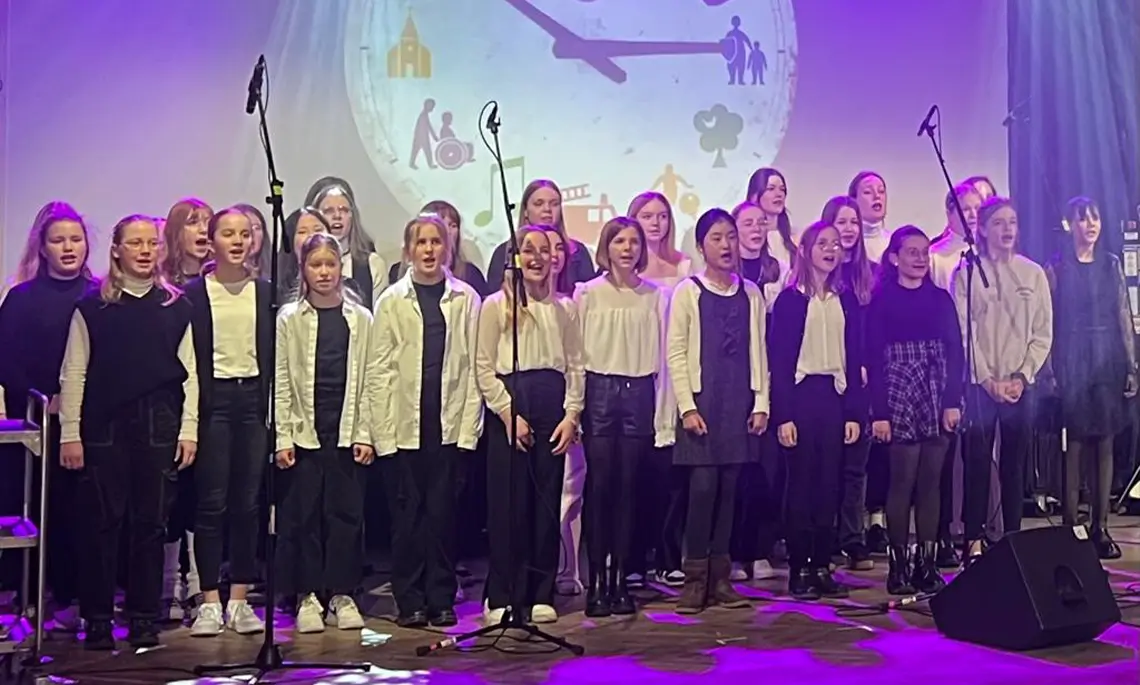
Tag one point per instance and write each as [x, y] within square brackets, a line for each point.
[776, 642]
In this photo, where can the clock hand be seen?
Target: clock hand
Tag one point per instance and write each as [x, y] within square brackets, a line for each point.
[581, 47]
[565, 36]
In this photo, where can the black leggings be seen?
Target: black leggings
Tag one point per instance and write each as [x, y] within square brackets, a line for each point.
[1097, 455]
[977, 462]
[612, 465]
[916, 473]
[712, 503]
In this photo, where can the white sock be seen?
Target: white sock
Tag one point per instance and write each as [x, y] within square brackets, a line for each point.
[193, 582]
[878, 518]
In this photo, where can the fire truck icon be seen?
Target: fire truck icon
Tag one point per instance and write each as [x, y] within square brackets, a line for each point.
[584, 220]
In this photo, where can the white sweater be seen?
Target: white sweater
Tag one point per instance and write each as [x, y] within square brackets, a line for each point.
[1012, 319]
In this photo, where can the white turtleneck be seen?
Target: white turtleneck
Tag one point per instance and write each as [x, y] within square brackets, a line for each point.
[876, 237]
[77, 355]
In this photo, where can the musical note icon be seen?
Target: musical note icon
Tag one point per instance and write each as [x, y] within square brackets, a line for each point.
[486, 216]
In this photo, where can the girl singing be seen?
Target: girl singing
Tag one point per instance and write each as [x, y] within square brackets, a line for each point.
[259, 256]
[427, 415]
[718, 370]
[1094, 362]
[542, 206]
[126, 433]
[817, 403]
[660, 516]
[869, 190]
[460, 267]
[51, 277]
[233, 338]
[857, 276]
[324, 378]
[525, 479]
[1012, 334]
[914, 374]
[622, 319]
[364, 270]
[768, 190]
[185, 250]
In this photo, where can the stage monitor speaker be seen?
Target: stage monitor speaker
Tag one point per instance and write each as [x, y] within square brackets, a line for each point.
[1036, 588]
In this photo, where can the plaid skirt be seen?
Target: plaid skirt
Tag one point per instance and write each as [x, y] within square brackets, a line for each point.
[916, 381]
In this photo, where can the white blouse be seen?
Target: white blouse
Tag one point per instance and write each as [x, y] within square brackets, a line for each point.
[822, 352]
[549, 338]
[621, 327]
[233, 311]
[683, 349]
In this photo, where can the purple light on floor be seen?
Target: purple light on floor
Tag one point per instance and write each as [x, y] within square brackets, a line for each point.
[670, 618]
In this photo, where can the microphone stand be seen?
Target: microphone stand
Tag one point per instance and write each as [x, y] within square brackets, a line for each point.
[972, 261]
[514, 618]
[269, 657]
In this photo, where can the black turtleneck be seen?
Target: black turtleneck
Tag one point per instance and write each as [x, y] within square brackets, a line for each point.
[34, 320]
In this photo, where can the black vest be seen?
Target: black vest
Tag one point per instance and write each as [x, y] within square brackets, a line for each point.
[203, 332]
[361, 281]
[133, 350]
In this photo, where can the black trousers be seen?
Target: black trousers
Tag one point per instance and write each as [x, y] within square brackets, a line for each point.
[712, 506]
[227, 479]
[759, 503]
[1095, 455]
[814, 470]
[524, 496]
[609, 502]
[659, 521]
[129, 480]
[946, 488]
[853, 492]
[320, 548]
[977, 462]
[878, 477]
[422, 487]
[916, 473]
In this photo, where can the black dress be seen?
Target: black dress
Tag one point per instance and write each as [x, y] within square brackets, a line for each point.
[1092, 342]
[726, 398]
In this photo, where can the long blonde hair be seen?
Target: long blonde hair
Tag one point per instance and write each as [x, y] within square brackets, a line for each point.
[183, 213]
[412, 233]
[313, 244]
[509, 277]
[111, 287]
[32, 263]
[667, 248]
[441, 210]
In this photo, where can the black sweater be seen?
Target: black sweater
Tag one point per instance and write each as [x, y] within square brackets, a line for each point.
[786, 337]
[34, 321]
[897, 315]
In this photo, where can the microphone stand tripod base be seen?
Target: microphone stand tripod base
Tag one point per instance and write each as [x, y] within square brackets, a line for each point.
[508, 622]
[269, 659]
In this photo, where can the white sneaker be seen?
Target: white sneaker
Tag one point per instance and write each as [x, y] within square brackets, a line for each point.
[738, 573]
[491, 616]
[310, 618]
[67, 619]
[543, 613]
[344, 614]
[210, 621]
[674, 578]
[569, 587]
[242, 620]
[762, 570]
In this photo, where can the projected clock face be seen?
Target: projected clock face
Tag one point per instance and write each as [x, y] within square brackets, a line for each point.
[609, 98]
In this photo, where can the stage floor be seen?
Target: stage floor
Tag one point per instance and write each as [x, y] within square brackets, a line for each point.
[777, 641]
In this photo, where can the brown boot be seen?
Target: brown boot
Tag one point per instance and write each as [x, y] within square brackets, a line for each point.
[720, 587]
[695, 592]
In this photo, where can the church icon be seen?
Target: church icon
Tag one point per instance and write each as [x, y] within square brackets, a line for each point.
[409, 58]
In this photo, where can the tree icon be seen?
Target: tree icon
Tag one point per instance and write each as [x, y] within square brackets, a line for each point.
[720, 130]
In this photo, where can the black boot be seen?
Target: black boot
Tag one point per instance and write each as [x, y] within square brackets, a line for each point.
[877, 539]
[898, 574]
[947, 556]
[597, 595]
[99, 636]
[1106, 547]
[826, 585]
[621, 604]
[801, 584]
[926, 578]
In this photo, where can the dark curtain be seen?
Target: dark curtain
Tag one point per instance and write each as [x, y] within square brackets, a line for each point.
[1074, 76]
[1074, 129]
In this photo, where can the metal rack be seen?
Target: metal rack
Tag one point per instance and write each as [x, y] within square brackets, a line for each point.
[22, 533]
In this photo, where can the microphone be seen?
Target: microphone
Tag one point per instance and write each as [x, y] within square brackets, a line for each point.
[926, 126]
[255, 85]
[493, 118]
